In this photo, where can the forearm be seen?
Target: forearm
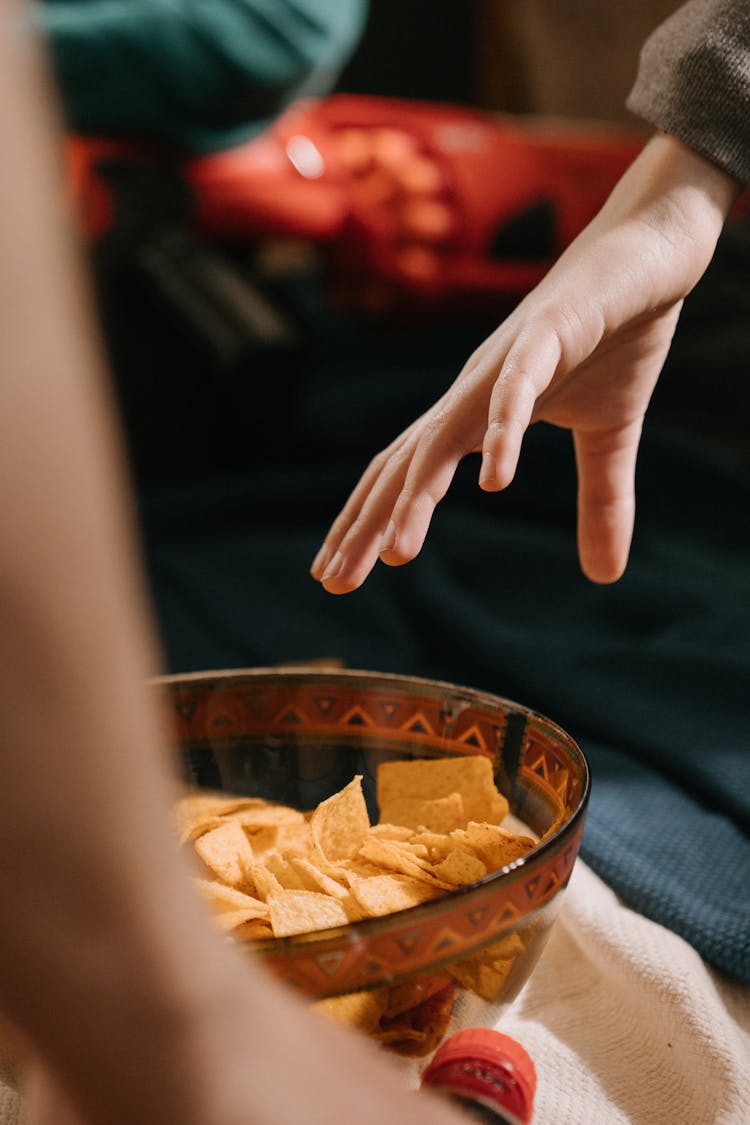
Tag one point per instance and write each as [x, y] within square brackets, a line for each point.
[94, 898]
[658, 229]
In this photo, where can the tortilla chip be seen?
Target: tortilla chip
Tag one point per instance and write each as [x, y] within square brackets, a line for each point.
[417, 1031]
[303, 912]
[441, 815]
[225, 851]
[314, 879]
[460, 868]
[286, 875]
[394, 856]
[258, 929]
[223, 898]
[263, 880]
[493, 845]
[391, 832]
[206, 803]
[339, 825]
[411, 993]
[485, 978]
[438, 847]
[429, 779]
[385, 894]
[231, 919]
[509, 946]
[360, 1010]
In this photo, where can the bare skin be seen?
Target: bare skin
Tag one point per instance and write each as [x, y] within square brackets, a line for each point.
[583, 351]
[128, 1005]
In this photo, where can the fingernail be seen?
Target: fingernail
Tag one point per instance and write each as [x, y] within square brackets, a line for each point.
[320, 559]
[333, 567]
[487, 473]
[388, 542]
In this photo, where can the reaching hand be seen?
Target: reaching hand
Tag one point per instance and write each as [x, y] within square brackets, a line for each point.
[582, 351]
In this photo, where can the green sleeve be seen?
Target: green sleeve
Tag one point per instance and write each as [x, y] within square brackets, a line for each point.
[196, 73]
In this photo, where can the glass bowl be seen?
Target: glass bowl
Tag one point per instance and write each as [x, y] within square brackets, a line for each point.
[295, 736]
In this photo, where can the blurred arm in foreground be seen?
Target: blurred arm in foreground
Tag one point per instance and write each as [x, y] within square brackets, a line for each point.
[131, 1006]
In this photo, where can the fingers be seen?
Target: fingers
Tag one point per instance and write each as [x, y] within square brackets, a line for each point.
[389, 512]
[362, 520]
[528, 369]
[606, 499]
[432, 468]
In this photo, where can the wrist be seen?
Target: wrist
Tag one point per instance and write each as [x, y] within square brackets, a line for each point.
[671, 185]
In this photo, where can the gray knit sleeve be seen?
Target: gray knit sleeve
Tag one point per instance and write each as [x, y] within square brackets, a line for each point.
[694, 81]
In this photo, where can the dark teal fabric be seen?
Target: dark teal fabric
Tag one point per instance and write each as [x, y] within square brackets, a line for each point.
[198, 74]
[651, 675]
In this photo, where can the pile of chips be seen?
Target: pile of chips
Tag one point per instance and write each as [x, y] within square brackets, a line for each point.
[270, 871]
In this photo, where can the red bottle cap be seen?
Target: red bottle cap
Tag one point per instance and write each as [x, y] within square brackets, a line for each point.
[485, 1066]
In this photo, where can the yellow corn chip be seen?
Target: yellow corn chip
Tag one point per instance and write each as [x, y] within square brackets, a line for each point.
[302, 912]
[460, 868]
[438, 847]
[205, 803]
[392, 855]
[316, 880]
[361, 1010]
[223, 898]
[257, 929]
[265, 815]
[226, 851]
[339, 825]
[485, 978]
[493, 845]
[385, 894]
[391, 832]
[352, 909]
[230, 919]
[442, 814]
[288, 877]
[262, 839]
[507, 947]
[429, 779]
[263, 880]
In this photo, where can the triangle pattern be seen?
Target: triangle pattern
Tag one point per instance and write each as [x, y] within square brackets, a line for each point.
[446, 940]
[473, 737]
[418, 724]
[531, 887]
[357, 717]
[324, 703]
[407, 943]
[540, 767]
[389, 709]
[291, 715]
[477, 916]
[330, 962]
[509, 911]
[223, 720]
[552, 883]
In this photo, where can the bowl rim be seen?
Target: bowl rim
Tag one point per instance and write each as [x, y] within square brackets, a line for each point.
[310, 671]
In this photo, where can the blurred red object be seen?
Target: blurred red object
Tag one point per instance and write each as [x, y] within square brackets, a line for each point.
[491, 1076]
[410, 203]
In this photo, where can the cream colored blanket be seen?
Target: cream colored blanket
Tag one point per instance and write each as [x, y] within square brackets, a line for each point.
[625, 1022]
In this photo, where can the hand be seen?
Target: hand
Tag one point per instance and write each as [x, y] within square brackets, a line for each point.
[582, 351]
